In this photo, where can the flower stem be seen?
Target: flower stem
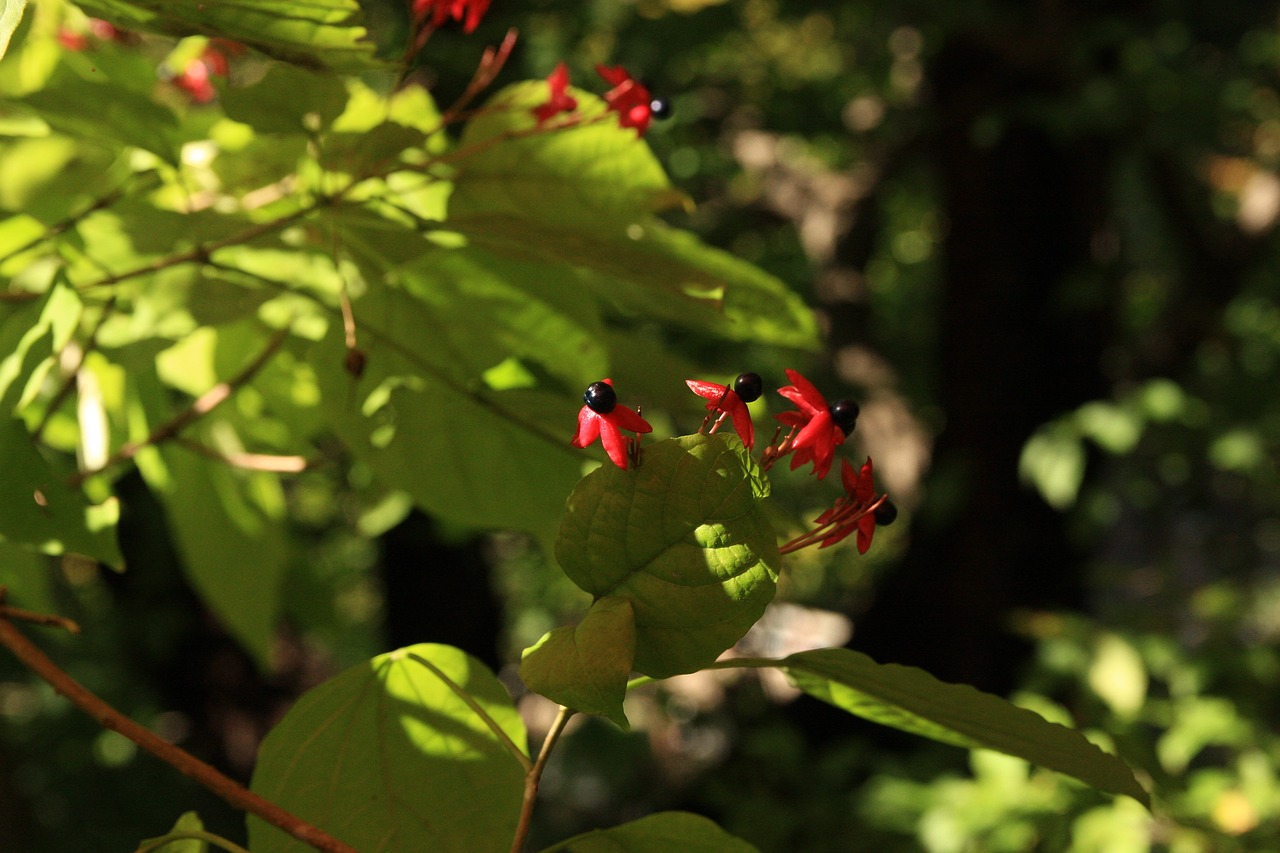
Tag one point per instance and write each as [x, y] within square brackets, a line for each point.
[534, 776]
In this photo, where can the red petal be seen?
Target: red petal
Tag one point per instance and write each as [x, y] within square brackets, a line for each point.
[615, 444]
[588, 427]
[865, 491]
[624, 418]
[812, 398]
[866, 529]
[709, 390]
[615, 76]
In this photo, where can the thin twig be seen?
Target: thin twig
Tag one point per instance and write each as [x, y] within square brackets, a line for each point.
[210, 777]
[270, 462]
[480, 712]
[534, 776]
[203, 405]
[491, 62]
[65, 224]
[50, 620]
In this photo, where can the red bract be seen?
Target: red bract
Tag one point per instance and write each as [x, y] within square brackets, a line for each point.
[467, 11]
[560, 101]
[629, 98]
[818, 435]
[856, 509]
[608, 426]
[724, 399]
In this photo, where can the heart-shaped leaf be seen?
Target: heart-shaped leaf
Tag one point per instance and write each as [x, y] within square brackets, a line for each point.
[388, 756]
[683, 538]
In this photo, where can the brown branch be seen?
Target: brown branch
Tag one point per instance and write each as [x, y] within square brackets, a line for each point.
[203, 405]
[184, 762]
[49, 620]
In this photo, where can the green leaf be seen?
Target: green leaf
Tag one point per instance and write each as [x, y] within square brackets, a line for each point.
[594, 176]
[657, 833]
[10, 16]
[586, 668]
[914, 701]
[235, 554]
[422, 417]
[285, 99]
[654, 270]
[28, 577]
[41, 511]
[315, 33]
[684, 538]
[387, 757]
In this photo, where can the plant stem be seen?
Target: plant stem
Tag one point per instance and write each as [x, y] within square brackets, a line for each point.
[158, 844]
[478, 711]
[177, 757]
[534, 776]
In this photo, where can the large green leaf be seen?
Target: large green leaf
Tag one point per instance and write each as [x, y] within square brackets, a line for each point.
[388, 757]
[234, 553]
[586, 667]
[422, 417]
[914, 701]
[657, 833]
[653, 269]
[683, 537]
[325, 33]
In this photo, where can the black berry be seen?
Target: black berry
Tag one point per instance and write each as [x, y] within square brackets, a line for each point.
[600, 397]
[660, 108]
[748, 387]
[845, 414]
[886, 514]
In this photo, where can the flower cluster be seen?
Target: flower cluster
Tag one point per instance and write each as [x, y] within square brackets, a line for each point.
[629, 98]
[436, 12]
[815, 428]
[196, 77]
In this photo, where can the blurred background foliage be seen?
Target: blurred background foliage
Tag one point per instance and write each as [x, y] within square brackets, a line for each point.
[1041, 238]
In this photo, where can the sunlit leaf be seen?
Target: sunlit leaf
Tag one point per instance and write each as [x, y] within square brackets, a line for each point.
[586, 667]
[327, 33]
[10, 16]
[287, 100]
[914, 701]
[684, 539]
[658, 833]
[387, 756]
[593, 176]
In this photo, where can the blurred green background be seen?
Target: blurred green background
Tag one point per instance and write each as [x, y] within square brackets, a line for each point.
[1042, 241]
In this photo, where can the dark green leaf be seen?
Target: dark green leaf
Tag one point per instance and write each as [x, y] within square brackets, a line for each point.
[284, 99]
[914, 701]
[658, 833]
[41, 511]
[586, 667]
[388, 757]
[682, 537]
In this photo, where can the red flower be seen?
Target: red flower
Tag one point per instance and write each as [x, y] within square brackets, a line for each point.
[459, 10]
[629, 98]
[822, 427]
[727, 401]
[858, 503]
[560, 101]
[603, 418]
[195, 78]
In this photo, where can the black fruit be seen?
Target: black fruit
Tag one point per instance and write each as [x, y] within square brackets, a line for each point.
[748, 387]
[845, 414]
[600, 397]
